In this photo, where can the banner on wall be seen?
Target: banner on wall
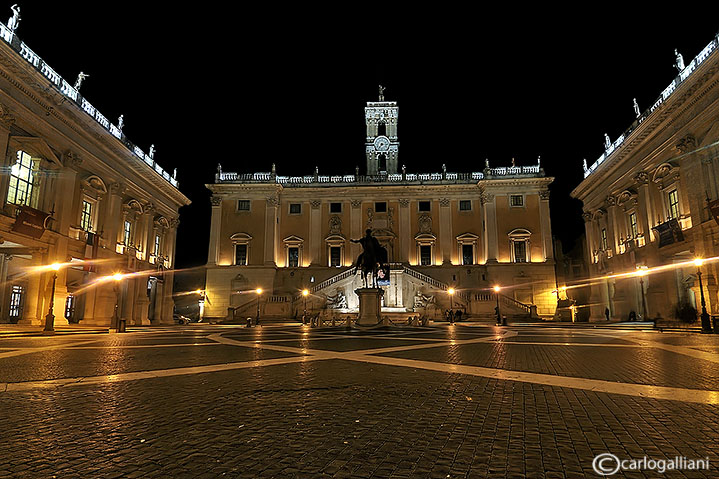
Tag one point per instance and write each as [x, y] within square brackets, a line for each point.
[383, 275]
[30, 222]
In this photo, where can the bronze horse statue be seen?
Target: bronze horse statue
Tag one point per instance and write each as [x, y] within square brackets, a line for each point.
[373, 256]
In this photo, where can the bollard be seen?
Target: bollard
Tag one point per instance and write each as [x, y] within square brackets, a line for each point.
[121, 326]
[249, 322]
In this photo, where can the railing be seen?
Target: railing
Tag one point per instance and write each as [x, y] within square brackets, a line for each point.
[683, 75]
[269, 177]
[505, 300]
[68, 91]
[437, 284]
[330, 281]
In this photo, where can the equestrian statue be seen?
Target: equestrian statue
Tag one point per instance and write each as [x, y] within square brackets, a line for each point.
[371, 259]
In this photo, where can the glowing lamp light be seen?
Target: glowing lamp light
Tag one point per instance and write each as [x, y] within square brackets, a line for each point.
[698, 262]
[118, 276]
[450, 290]
[496, 289]
[55, 266]
[258, 291]
[305, 292]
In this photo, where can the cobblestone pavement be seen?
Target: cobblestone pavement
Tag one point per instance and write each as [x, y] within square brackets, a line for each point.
[290, 401]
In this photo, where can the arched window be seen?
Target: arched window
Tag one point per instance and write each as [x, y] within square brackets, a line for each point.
[24, 180]
[381, 129]
[519, 246]
[382, 162]
[241, 243]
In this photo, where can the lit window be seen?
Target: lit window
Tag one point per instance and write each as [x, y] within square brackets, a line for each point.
[127, 233]
[243, 205]
[86, 216]
[516, 200]
[157, 245]
[633, 224]
[520, 251]
[465, 205]
[16, 300]
[424, 205]
[295, 208]
[604, 239]
[673, 204]
[519, 245]
[22, 189]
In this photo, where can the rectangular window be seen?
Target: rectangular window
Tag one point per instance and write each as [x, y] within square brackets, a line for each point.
[380, 207]
[604, 239]
[467, 254]
[520, 251]
[335, 207]
[673, 204]
[516, 200]
[15, 309]
[243, 205]
[241, 254]
[293, 257]
[295, 208]
[633, 225]
[335, 256]
[22, 188]
[424, 205]
[425, 255]
[465, 205]
[127, 233]
[86, 216]
[157, 245]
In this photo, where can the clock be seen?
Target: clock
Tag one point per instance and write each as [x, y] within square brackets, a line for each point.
[381, 143]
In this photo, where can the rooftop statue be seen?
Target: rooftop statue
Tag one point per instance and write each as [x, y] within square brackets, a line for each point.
[636, 109]
[679, 60]
[152, 152]
[80, 78]
[14, 21]
[121, 122]
[381, 93]
[607, 142]
[584, 165]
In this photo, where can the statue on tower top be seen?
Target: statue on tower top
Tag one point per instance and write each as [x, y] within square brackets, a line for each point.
[381, 93]
[14, 21]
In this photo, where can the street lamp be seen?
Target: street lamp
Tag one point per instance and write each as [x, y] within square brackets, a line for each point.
[706, 325]
[642, 272]
[499, 316]
[305, 293]
[259, 293]
[50, 317]
[200, 304]
[450, 291]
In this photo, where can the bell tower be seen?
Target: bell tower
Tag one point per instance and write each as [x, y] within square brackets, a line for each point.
[381, 144]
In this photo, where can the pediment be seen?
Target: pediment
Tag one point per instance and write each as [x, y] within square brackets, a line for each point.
[36, 147]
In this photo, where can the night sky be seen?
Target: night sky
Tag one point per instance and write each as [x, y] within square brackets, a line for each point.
[208, 84]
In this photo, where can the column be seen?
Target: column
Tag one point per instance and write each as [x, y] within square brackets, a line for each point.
[272, 203]
[315, 234]
[545, 220]
[111, 223]
[644, 208]
[148, 230]
[612, 239]
[445, 230]
[4, 287]
[405, 231]
[490, 224]
[215, 225]
[355, 227]
[587, 216]
[5, 122]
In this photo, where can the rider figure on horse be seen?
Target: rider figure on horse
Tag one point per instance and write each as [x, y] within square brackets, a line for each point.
[372, 254]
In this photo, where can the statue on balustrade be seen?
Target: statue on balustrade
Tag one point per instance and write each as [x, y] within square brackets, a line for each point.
[14, 21]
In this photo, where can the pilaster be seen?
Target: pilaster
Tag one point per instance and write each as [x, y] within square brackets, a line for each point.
[215, 226]
[490, 224]
[445, 230]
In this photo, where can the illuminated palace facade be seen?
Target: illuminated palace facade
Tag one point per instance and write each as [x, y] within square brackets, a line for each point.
[646, 202]
[73, 189]
[468, 231]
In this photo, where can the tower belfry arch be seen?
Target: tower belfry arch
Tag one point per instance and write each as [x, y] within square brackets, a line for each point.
[382, 142]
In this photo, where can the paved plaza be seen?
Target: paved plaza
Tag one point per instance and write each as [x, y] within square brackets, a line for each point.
[291, 401]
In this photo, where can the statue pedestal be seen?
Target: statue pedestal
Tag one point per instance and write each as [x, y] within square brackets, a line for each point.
[370, 304]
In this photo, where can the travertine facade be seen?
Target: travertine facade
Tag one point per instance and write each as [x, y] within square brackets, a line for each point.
[104, 199]
[645, 201]
[466, 230]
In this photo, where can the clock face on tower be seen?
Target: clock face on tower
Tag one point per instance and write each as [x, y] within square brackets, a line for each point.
[381, 143]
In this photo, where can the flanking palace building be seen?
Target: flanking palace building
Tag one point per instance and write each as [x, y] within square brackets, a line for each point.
[443, 231]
